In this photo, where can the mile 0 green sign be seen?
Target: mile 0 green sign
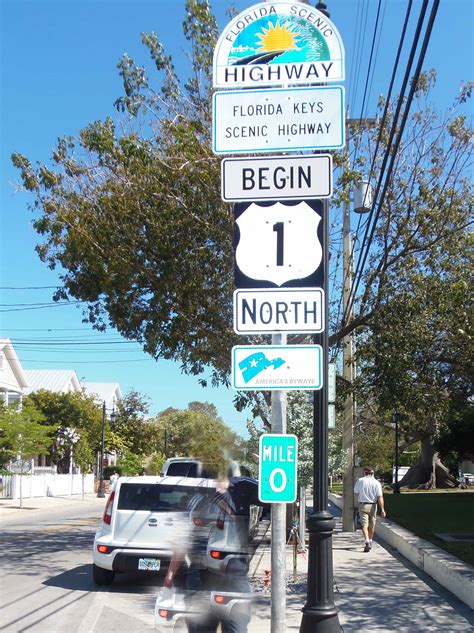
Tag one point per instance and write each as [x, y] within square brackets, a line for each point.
[277, 481]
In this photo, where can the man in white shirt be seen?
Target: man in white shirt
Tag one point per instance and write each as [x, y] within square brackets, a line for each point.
[369, 495]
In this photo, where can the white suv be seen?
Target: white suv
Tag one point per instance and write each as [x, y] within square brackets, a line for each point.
[144, 521]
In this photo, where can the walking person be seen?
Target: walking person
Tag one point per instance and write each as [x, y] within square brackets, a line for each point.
[369, 496]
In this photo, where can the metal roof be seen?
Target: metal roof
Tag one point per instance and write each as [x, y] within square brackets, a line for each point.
[56, 380]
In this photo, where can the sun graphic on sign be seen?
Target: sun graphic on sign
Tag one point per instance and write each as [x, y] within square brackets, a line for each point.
[278, 37]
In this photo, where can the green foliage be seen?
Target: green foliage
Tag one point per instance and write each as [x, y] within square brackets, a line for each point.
[197, 432]
[23, 434]
[155, 464]
[426, 514]
[110, 470]
[83, 455]
[129, 430]
[376, 447]
[69, 410]
[130, 465]
[131, 212]
[143, 235]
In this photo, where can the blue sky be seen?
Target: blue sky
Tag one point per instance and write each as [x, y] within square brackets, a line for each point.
[58, 63]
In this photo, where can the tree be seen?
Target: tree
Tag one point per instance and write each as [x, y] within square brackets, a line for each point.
[194, 433]
[84, 457]
[23, 436]
[149, 173]
[299, 419]
[130, 431]
[67, 410]
[416, 359]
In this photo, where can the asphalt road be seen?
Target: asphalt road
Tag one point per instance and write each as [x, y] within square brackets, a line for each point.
[46, 583]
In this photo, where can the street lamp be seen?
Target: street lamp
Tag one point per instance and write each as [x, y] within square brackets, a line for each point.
[395, 420]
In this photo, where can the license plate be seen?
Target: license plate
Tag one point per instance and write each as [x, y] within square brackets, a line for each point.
[148, 564]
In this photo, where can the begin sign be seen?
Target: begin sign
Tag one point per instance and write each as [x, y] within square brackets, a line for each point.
[277, 178]
[277, 480]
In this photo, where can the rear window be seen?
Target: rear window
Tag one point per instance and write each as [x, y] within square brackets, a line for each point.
[182, 469]
[158, 497]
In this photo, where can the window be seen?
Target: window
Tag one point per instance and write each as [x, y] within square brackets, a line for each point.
[156, 497]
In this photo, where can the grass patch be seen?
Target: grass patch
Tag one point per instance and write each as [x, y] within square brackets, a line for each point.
[425, 513]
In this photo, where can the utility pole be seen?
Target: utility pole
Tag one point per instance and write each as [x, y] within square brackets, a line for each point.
[347, 374]
[348, 364]
[278, 547]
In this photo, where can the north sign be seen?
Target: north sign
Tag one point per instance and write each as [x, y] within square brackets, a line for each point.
[277, 178]
[290, 119]
[278, 244]
[277, 43]
[270, 367]
[276, 310]
[277, 468]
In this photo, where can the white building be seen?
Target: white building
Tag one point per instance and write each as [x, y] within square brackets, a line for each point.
[13, 380]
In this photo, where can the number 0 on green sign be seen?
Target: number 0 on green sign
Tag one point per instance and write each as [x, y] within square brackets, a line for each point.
[278, 465]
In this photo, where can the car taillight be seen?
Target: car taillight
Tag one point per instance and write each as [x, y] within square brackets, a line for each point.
[215, 553]
[221, 599]
[103, 549]
[107, 518]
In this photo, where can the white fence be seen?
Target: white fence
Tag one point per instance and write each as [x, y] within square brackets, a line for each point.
[45, 485]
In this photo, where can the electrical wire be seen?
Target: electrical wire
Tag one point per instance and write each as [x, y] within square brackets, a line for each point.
[393, 151]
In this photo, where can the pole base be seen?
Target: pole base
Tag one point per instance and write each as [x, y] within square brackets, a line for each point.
[319, 612]
[320, 621]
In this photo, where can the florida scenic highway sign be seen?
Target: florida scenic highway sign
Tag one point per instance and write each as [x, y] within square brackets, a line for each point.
[275, 43]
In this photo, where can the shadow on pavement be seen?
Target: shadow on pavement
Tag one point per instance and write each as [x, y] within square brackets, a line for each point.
[27, 554]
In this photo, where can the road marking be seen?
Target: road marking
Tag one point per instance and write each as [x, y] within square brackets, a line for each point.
[93, 614]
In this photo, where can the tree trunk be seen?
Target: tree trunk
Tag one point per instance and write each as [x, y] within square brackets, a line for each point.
[428, 473]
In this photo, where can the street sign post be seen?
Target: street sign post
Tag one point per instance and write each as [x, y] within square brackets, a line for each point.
[270, 367]
[276, 178]
[289, 119]
[278, 244]
[272, 310]
[278, 467]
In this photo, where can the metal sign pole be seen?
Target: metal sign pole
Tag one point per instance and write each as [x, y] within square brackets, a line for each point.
[319, 612]
[278, 545]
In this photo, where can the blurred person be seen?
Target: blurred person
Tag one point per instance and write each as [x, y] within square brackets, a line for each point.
[230, 503]
[369, 495]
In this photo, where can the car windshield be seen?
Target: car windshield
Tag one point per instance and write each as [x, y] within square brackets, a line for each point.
[158, 497]
[182, 469]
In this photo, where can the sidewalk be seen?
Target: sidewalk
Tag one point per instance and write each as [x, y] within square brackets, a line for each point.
[9, 507]
[374, 592]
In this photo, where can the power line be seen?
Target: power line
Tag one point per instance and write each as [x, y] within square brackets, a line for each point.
[393, 151]
[88, 362]
[30, 287]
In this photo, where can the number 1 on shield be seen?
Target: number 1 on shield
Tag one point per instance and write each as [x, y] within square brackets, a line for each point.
[278, 228]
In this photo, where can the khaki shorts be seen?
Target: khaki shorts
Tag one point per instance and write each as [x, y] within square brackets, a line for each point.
[368, 514]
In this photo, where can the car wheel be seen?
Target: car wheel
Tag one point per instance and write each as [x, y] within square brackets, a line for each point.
[102, 576]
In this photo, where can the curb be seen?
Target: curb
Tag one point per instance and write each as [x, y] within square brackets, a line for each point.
[450, 572]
